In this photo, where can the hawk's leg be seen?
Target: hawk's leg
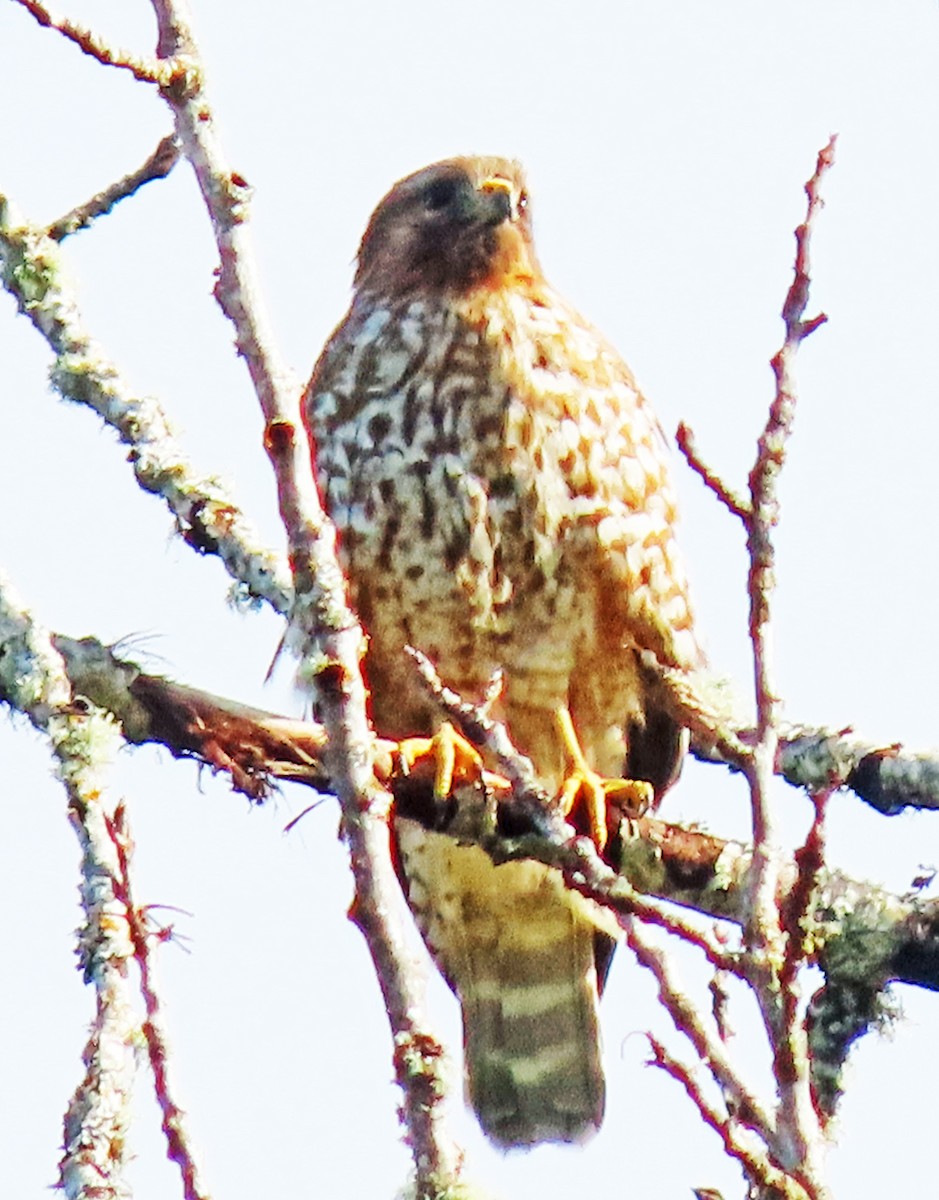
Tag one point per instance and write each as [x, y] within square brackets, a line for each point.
[453, 757]
[584, 785]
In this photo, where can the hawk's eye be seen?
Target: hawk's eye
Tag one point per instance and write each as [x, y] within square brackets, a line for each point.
[522, 202]
[441, 194]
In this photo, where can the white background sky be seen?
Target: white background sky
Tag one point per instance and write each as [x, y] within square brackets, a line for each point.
[667, 145]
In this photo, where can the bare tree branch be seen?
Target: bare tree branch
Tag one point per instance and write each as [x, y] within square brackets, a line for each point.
[205, 514]
[324, 632]
[737, 1143]
[774, 958]
[178, 1143]
[157, 166]
[774, 936]
[687, 444]
[145, 70]
[748, 1109]
[83, 740]
[684, 866]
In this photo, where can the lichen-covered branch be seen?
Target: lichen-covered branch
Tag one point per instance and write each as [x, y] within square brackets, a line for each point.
[686, 866]
[862, 936]
[205, 514]
[84, 738]
[884, 775]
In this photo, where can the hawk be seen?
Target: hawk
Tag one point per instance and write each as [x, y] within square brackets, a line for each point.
[501, 491]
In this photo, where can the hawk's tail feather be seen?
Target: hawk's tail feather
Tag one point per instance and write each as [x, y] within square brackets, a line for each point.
[533, 1069]
[519, 950]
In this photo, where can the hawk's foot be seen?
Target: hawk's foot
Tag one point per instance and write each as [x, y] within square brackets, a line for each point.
[583, 786]
[455, 760]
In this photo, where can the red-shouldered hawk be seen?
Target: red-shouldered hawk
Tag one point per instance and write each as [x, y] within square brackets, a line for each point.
[501, 492]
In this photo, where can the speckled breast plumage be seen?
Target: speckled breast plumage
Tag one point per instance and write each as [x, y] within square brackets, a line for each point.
[501, 494]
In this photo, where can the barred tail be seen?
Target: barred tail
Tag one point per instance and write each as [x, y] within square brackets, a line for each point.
[531, 1038]
[518, 949]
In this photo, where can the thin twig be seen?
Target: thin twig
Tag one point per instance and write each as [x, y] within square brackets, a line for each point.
[226, 195]
[763, 480]
[748, 1109]
[775, 947]
[179, 1147]
[475, 723]
[792, 1062]
[157, 166]
[764, 514]
[720, 1001]
[800, 1135]
[687, 444]
[756, 1163]
[146, 70]
[810, 862]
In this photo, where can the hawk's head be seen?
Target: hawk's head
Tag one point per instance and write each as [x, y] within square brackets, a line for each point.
[452, 227]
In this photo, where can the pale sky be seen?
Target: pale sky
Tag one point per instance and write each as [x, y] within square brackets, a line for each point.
[667, 145]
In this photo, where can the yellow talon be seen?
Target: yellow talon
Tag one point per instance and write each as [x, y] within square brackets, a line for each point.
[583, 782]
[453, 756]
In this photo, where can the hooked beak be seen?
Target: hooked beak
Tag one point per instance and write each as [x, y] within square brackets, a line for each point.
[498, 200]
